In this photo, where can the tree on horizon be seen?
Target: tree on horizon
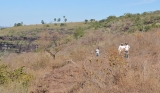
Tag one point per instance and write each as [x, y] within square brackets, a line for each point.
[86, 21]
[42, 22]
[58, 20]
[55, 19]
[65, 20]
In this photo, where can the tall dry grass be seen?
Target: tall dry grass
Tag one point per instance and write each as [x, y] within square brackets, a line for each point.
[139, 73]
[108, 73]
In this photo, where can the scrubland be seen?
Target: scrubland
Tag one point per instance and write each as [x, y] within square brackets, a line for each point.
[108, 73]
[67, 63]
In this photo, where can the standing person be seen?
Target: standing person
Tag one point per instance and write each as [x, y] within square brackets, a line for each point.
[126, 49]
[97, 52]
[121, 48]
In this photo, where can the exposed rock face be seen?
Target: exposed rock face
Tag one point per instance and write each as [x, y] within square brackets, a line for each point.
[18, 44]
[26, 43]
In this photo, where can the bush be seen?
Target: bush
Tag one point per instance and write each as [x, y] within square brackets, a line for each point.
[3, 74]
[147, 28]
[115, 60]
[78, 33]
[62, 24]
[55, 24]
[47, 25]
[8, 77]
[111, 18]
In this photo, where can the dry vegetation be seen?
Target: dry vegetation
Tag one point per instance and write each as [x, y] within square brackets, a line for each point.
[108, 73]
[64, 64]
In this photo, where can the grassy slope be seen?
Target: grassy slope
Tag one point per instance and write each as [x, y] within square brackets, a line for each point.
[16, 30]
[142, 74]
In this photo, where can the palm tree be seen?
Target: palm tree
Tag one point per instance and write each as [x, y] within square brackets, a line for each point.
[58, 20]
[54, 19]
[65, 20]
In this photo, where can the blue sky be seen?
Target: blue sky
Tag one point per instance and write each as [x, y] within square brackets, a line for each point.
[33, 11]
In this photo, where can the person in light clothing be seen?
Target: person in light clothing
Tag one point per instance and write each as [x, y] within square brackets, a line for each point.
[121, 48]
[97, 52]
[126, 49]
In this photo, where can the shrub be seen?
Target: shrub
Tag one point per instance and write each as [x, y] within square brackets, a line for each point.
[55, 24]
[146, 28]
[47, 25]
[115, 60]
[86, 21]
[9, 77]
[62, 24]
[111, 18]
[117, 65]
[3, 74]
[78, 33]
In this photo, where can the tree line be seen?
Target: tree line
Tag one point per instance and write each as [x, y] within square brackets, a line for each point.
[56, 20]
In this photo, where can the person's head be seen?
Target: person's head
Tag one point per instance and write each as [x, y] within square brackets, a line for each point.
[121, 44]
[126, 43]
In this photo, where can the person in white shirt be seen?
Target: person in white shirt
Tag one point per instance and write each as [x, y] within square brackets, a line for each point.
[126, 49]
[97, 52]
[121, 48]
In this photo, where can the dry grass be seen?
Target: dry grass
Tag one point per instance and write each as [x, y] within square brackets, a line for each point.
[108, 73]
[20, 29]
[141, 75]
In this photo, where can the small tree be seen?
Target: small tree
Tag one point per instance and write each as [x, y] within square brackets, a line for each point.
[65, 20]
[54, 19]
[86, 21]
[92, 20]
[18, 24]
[42, 22]
[58, 20]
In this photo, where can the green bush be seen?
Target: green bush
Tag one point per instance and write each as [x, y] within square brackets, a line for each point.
[62, 24]
[146, 28]
[111, 18]
[8, 76]
[3, 74]
[78, 33]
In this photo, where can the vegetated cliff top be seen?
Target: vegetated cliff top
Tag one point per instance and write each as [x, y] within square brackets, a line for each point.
[126, 23]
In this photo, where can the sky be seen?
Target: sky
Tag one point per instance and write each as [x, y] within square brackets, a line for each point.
[34, 11]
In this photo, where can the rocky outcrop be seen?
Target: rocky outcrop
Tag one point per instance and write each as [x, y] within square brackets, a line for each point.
[18, 44]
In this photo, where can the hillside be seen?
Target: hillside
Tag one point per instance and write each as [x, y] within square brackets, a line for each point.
[51, 58]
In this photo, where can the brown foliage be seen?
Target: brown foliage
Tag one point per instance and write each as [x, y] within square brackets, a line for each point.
[76, 69]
